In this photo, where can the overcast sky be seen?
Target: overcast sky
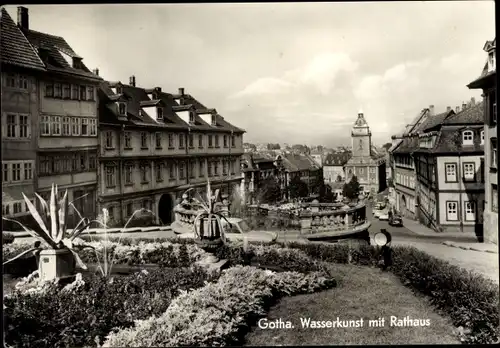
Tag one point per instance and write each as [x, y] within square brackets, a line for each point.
[289, 72]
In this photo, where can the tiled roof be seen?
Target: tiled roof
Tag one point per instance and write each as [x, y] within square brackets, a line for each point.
[434, 121]
[15, 49]
[471, 115]
[295, 162]
[56, 47]
[337, 159]
[138, 98]
[418, 119]
[450, 140]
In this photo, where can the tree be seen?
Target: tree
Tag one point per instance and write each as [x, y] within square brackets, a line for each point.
[339, 178]
[273, 146]
[351, 189]
[325, 194]
[298, 188]
[317, 182]
[268, 191]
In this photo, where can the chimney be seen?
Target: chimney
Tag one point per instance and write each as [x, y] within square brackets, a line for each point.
[23, 19]
[431, 110]
[132, 81]
[464, 106]
[457, 109]
[96, 71]
[158, 89]
[181, 91]
[448, 108]
[472, 101]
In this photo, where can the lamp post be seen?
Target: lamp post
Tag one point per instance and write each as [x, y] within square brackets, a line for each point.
[383, 239]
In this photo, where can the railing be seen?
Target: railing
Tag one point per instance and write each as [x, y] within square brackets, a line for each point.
[185, 216]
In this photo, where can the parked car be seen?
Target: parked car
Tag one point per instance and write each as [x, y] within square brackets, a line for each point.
[384, 216]
[380, 205]
[377, 213]
[395, 219]
[238, 228]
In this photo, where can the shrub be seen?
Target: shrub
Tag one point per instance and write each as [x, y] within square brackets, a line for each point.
[74, 319]
[218, 313]
[8, 238]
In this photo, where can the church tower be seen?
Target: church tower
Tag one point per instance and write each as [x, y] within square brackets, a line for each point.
[361, 137]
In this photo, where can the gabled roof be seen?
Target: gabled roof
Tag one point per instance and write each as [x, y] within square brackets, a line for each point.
[449, 140]
[295, 162]
[337, 159]
[15, 49]
[413, 125]
[473, 114]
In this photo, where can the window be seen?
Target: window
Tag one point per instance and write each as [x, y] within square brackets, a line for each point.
[111, 211]
[201, 168]
[56, 125]
[128, 174]
[16, 172]
[144, 140]
[109, 139]
[67, 91]
[170, 141]
[482, 137]
[11, 126]
[75, 126]
[90, 93]
[467, 137]
[494, 198]
[216, 168]
[93, 127]
[130, 209]
[209, 168]
[233, 141]
[158, 140]
[83, 93]
[192, 168]
[144, 174]
[233, 166]
[128, 140]
[159, 114]
[181, 141]
[75, 92]
[85, 126]
[450, 172]
[11, 81]
[494, 158]
[200, 141]
[5, 172]
[92, 161]
[159, 172]
[28, 171]
[5, 209]
[23, 82]
[49, 89]
[57, 90]
[372, 170]
[182, 170]
[191, 141]
[171, 171]
[469, 171]
[470, 210]
[110, 176]
[360, 170]
[17, 208]
[225, 141]
[451, 211]
[216, 140]
[210, 141]
[24, 128]
[224, 168]
[66, 124]
[214, 120]
[122, 109]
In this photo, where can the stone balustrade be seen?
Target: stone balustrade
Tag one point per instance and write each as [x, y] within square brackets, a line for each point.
[336, 219]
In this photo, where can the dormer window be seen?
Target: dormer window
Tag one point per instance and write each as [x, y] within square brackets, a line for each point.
[191, 117]
[491, 61]
[122, 109]
[468, 137]
[159, 114]
[482, 137]
[214, 120]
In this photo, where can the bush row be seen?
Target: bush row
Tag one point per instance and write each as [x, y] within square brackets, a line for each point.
[218, 314]
[75, 319]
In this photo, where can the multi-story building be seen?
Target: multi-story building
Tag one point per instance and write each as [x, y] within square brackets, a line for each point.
[405, 177]
[364, 164]
[156, 145]
[334, 166]
[450, 170]
[487, 82]
[54, 112]
[303, 167]
[255, 168]
[318, 156]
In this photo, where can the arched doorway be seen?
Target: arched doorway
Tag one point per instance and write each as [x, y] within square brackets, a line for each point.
[403, 205]
[165, 207]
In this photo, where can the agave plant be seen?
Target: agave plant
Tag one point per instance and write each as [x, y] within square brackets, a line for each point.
[209, 208]
[52, 222]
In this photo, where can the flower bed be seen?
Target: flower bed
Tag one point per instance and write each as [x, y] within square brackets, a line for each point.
[218, 313]
[74, 319]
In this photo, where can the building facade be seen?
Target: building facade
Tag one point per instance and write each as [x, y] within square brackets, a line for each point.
[53, 110]
[364, 164]
[255, 168]
[155, 145]
[450, 171]
[334, 166]
[487, 82]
